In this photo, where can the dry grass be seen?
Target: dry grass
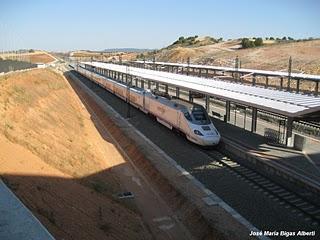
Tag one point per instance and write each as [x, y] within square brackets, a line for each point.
[85, 55]
[36, 57]
[305, 55]
[35, 114]
[56, 161]
[41, 58]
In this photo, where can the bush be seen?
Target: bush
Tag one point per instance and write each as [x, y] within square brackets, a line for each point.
[258, 42]
[246, 43]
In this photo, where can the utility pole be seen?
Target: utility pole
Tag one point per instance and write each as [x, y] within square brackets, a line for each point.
[128, 92]
[289, 73]
[188, 67]
[120, 59]
[237, 67]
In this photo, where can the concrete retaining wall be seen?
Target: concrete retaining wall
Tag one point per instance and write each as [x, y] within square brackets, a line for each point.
[307, 145]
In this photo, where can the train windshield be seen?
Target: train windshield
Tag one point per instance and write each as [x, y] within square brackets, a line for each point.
[200, 116]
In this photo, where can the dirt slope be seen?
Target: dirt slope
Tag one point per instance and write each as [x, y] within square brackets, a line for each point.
[41, 58]
[305, 55]
[56, 161]
[35, 57]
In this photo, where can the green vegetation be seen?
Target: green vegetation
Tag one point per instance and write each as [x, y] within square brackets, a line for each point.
[194, 41]
[258, 42]
[247, 43]
[186, 41]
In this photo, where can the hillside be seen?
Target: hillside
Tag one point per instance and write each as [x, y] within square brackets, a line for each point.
[271, 56]
[30, 57]
[57, 162]
[102, 56]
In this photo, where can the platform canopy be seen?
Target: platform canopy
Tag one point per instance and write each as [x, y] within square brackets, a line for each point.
[242, 70]
[285, 103]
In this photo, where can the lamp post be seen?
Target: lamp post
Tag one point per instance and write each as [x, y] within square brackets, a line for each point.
[128, 91]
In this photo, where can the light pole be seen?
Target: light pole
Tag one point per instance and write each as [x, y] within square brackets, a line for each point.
[128, 91]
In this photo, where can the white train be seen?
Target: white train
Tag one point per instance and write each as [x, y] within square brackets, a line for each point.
[189, 119]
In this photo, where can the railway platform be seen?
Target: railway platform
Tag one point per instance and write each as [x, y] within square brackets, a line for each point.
[307, 164]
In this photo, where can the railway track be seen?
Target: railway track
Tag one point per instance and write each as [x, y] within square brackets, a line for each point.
[298, 204]
[295, 206]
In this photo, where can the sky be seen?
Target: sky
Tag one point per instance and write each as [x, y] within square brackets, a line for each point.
[63, 25]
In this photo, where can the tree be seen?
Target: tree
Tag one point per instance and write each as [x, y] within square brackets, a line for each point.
[290, 38]
[258, 42]
[271, 38]
[284, 38]
[246, 43]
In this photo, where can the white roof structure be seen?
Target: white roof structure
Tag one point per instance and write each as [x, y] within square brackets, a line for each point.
[281, 102]
[242, 70]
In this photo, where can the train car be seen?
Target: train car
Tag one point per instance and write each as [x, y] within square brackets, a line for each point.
[188, 118]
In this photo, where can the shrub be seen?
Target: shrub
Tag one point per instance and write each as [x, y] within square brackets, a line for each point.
[258, 42]
[246, 43]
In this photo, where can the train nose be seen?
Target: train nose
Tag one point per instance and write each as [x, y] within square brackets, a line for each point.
[211, 140]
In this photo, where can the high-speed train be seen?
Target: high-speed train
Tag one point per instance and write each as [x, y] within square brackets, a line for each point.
[189, 119]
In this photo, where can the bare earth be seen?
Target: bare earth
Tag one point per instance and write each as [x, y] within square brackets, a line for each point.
[305, 55]
[106, 56]
[35, 57]
[58, 164]
[41, 58]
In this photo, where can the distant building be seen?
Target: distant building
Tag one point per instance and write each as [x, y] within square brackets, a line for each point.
[41, 65]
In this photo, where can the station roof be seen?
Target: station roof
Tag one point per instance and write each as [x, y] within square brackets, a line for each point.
[242, 70]
[281, 102]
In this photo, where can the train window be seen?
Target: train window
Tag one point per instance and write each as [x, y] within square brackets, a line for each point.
[200, 116]
[187, 116]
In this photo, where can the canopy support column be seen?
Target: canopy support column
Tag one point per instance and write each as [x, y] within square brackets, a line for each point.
[190, 96]
[289, 135]
[177, 92]
[208, 103]
[227, 111]
[254, 120]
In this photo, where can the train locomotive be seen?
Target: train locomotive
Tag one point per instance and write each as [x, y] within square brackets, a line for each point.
[187, 118]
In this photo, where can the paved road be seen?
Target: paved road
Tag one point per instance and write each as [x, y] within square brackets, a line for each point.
[260, 208]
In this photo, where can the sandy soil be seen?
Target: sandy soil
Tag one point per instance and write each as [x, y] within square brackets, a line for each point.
[41, 58]
[35, 57]
[85, 56]
[305, 55]
[57, 162]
